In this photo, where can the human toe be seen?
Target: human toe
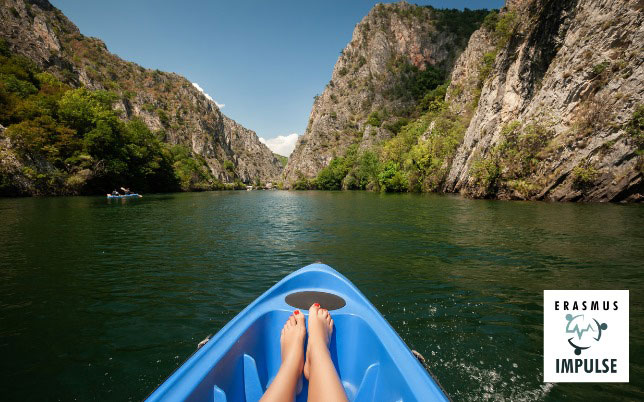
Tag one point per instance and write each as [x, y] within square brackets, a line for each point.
[299, 317]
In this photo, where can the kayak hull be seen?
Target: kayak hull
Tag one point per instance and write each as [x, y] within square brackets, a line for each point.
[241, 360]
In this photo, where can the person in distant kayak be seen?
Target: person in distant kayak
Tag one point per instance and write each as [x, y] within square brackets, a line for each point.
[318, 368]
[126, 191]
[115, 193]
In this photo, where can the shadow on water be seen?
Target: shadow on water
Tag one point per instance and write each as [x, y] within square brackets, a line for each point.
[102, 299]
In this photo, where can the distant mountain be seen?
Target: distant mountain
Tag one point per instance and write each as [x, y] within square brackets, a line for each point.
[168, 104]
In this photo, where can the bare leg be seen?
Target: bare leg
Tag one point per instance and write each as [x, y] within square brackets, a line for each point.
[324, 383]
[292, 343]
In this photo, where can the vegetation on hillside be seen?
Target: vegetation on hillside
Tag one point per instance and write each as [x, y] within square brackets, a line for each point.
[426, 134]
[73, 141]
[416, 159]
[282, 159]
[501, 26]
[461, 23]
[513, 161]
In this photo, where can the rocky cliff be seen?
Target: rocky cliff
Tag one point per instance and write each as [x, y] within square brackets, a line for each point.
[545, 102]
[396, 53]
[166, 102]
[560, 110]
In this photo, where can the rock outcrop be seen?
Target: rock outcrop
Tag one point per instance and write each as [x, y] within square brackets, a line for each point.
[545, 102]
[247, 149]
[166, 102]
[378, 74]
[553, 115]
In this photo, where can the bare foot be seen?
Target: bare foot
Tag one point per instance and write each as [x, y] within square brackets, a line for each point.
[292, 342]
[320, 330]
[285, 384]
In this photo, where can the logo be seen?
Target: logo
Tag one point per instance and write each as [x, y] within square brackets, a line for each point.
[585, 336]
[577, 325]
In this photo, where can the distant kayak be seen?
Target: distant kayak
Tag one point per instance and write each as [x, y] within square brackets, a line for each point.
[242, 359]
[123, 196]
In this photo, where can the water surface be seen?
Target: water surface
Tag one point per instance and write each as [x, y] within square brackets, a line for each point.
[104, 299]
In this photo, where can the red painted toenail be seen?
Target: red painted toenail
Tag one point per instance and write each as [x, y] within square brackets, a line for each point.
[316, 304]
[296, 312]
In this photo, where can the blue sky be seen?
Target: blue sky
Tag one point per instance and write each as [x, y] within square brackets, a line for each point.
[263, 60]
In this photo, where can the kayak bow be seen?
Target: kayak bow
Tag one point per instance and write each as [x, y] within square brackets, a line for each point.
[242, 359]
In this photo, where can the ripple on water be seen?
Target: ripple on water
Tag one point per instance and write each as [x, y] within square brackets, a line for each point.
[125, 291]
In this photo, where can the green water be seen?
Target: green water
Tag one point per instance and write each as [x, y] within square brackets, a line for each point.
[103, 299]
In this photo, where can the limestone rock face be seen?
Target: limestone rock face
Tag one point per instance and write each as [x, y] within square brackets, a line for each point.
[246, 147]
[365, 79]
[465, 75]
[164, 101]
[573, 69]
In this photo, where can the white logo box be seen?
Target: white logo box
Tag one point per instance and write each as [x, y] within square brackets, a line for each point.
[586, 336]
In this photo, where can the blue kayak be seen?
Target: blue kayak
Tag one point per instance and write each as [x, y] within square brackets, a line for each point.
[242, 359]
[123, 196]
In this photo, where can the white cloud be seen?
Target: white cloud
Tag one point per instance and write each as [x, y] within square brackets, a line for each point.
[219, 105]
[282, 144]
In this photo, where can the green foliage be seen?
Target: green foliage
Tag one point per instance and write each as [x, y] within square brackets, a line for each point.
[427, 162]
[282, 159]
[487, 64]
[635, 127]
[584, 175]
[397, 125]
[365, 174]
[413, 82]
[513, 160]
[415, 159]
[148, 107]
[598, 69]
[229, 166]
[486, 173]
[72, 140]
[4, 48]
[192, 171]
[330, 178]
[434, 99]
[460, 23]
[303, 183]
[82, 110]
[502, 26]
[410, 12]
[375, 119]
[505, 26]
[163, 117]
[21, 87]
[490, 20]
[391, 178]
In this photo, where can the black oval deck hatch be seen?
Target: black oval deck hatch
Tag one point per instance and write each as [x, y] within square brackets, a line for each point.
[304, 300]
